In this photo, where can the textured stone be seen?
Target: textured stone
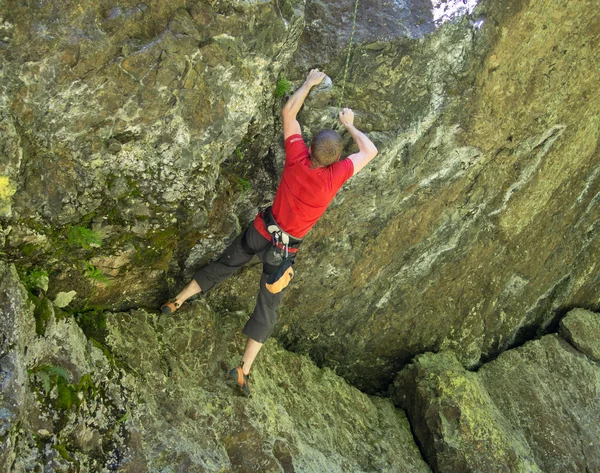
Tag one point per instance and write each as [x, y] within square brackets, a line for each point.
[534, 408]
[124, 113]
[63, 299]
[550, 393]
[455, 420]
[478, 221]
[149, 393]
[157, 125]
[60, 400]
[581, 328]
[299, 418]
[16, 325]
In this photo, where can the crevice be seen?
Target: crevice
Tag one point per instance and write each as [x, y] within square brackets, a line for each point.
[550, 328]
[532, 332]
[416, 440]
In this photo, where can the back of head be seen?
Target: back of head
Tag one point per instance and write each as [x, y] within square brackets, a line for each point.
[326, 147]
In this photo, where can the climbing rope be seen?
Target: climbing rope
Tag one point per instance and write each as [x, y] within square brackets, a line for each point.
[348, 55]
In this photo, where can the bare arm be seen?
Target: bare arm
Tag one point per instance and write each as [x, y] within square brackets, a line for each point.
[366, 149]
[294, 104]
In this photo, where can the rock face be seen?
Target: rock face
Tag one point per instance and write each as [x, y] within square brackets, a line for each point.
[477, 225]
[144, 393]
[534, 408]
[135, 392]
[456, 420]
[137, 139]
[117, 117]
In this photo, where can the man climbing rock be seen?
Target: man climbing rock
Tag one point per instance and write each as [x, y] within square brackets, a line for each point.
[311, 178]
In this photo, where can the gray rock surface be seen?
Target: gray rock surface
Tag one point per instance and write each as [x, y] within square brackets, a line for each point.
[534, 408]
[456, 421]
[137, 139]
[478, 222]
[148, 393]
[16, 325]
[550, 393]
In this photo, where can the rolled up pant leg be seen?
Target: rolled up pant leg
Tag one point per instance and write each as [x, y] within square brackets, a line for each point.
[232, 259]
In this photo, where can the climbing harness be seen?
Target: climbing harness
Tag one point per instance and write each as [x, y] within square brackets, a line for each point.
[348, 55]
[278, 236]
[279, 276]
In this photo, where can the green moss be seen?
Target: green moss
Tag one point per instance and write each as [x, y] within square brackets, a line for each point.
[93, 273]
[93, 325]
[107, 353]
[64, 453]
[157, 249]
[283, 87]
[28, 249]
[114, 216]
[82, 237]
[134, 188]
[243, 185]
[68, 395]
[35, 278]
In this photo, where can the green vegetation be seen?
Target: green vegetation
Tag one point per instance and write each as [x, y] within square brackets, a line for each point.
[42, 314]
[28, 249]
[96, 276]
[67, 394]
[239, 154]
[157, 248]
[283, 87]
[124, 418]
[35, 279]
[93, 273]
[84, 237]
[64, 453]
[93, 324]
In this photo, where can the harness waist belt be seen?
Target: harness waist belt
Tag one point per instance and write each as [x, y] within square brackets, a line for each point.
[273, 228]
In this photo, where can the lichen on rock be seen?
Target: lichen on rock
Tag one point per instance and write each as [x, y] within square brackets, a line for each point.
[161, 399]
[138, 139]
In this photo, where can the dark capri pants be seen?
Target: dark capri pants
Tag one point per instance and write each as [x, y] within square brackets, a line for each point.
[263, 319]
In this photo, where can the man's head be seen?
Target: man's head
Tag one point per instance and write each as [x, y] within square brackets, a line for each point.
[326, 148]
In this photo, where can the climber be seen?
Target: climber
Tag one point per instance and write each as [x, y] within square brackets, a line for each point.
[311, 178]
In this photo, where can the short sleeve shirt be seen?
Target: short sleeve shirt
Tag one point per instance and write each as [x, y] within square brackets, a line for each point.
[304, 194]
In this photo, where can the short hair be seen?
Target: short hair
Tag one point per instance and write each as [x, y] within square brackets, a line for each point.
[326, 147]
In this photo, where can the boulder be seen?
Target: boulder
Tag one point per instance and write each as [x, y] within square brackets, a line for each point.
[534, 408]
[139, 139]
[134, 391]
[456, 421]
[549, 392]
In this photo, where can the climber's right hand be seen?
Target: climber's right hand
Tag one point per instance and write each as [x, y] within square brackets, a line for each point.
[347, 117]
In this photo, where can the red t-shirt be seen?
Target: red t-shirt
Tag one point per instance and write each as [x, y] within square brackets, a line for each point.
[304, 194]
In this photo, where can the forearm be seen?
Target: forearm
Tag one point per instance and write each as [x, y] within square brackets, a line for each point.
[365, 145]
[294, 104]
